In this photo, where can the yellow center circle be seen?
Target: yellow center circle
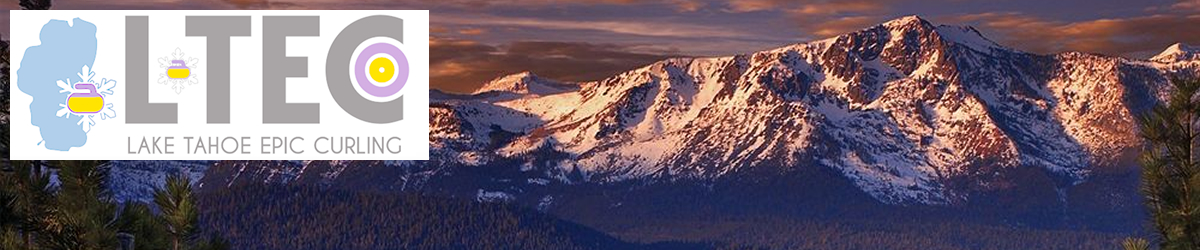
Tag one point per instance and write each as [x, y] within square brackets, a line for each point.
[381, 69]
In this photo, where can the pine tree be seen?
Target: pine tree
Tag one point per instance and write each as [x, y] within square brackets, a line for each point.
[4, 106]
[28, 201]
[1135, 244]
[10, 219]
[178, 209]
[1171, 174]
[148, 231]
[80, 212]
[214, 242]
[85, 211]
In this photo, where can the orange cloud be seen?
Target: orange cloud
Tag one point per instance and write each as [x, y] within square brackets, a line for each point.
[1130, 37]
[687, 5]
[661, 29]
[458, 65]
[472, 31]
[438, 29]
[753, 5]
[826, 18]
[834, 8]
[810, 7]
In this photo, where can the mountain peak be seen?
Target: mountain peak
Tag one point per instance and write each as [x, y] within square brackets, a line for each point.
[524, 82]
[967, 36]
[963, 35]
[1178, 52]
[906, 21]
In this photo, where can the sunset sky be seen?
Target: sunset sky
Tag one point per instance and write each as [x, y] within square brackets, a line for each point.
[574, 40]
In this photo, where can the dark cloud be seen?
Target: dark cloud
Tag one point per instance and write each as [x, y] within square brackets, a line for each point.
[1131, 30]
[809, 7]
[585, 40]
[1187, 5]
[1136, 37]
[249, 4]
[112, 5]
[625, 27]
[833, 26]
[462, 65]
[821, 18]
[478, 5]
[678, 5]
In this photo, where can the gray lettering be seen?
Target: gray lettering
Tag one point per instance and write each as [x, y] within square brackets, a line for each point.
[218, 30]
[277, 66]
[137, 57]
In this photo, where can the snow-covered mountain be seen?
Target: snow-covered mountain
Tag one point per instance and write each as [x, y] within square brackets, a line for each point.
[1178, 52]
[908, 111]
[137, 180]
[524, 83]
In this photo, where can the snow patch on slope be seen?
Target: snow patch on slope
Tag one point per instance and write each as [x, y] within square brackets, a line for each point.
[1178, 52]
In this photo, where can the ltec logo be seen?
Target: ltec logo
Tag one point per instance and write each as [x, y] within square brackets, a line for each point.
[220, 85]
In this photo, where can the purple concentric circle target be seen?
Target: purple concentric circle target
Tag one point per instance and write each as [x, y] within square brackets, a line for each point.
[397, 83]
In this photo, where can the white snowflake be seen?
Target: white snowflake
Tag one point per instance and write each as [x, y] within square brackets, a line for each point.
[104, 87]
[178, 84]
